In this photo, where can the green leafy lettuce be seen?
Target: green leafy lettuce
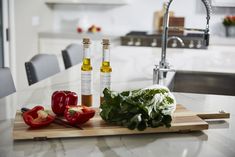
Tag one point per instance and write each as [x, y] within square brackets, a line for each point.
[139, 109]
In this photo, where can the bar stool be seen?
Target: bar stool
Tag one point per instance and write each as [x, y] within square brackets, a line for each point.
[41, 66]
[72, 55]
[6, 82]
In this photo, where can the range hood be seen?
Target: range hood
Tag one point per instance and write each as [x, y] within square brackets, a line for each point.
[88, 2]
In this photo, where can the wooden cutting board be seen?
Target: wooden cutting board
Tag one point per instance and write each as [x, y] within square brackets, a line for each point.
[183, 121]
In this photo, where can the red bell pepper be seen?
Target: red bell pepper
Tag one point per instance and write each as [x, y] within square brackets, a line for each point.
[78, 114]
[37, 117]
[60, 99]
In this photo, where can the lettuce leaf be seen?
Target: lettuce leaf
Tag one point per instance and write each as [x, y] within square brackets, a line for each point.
[139, 109]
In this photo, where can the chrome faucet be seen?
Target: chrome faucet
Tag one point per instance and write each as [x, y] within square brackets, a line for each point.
[160, 71]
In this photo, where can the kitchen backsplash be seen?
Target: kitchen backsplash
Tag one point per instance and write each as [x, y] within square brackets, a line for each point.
[137, 15]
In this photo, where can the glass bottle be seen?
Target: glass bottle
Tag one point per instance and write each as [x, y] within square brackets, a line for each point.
[86, 74]
[105, 69]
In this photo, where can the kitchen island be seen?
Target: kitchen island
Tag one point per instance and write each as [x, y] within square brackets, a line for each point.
[132, 68]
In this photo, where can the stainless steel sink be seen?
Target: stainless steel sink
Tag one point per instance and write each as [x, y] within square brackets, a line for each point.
[204, 83]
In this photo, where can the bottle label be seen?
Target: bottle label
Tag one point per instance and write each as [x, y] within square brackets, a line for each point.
[105, 82]
[86, 83]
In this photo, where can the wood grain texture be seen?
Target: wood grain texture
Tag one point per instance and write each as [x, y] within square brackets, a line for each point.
[183, 121]
[219, 115]
[174, 22]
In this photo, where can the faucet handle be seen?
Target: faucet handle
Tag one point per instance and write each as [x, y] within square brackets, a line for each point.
[167, 68]
[131, 42]
[175, 39]
[160, 73]
[138, 42]
[154, 43]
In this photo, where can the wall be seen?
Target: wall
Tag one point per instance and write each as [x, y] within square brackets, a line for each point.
[136, 16]
[26, 33]
[1, 37]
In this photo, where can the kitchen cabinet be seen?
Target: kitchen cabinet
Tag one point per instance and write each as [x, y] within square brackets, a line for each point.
[88, 2]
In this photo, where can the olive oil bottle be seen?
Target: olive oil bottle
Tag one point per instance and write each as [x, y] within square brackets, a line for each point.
[105, 69]
[86, 74]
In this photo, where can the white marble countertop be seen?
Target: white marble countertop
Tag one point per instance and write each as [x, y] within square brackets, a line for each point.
[213, 59]
[75, 35]
[132, 68]
[222, 40]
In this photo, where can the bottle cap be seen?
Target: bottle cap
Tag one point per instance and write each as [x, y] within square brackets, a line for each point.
[86, 41]
[106, 42]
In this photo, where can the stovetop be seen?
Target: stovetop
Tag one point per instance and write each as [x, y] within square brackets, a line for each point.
[153, 39]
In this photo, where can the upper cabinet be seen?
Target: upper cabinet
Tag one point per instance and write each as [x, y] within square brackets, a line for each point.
[223, 3]
[88, 2]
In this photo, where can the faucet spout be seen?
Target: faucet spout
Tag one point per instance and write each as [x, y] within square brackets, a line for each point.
[208, 16]
[165, 33]
[161, 70]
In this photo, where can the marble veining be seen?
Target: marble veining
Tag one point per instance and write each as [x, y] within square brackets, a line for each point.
[132, 69]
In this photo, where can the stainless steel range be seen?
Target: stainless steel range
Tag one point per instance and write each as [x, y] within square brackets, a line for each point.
[190, 40]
